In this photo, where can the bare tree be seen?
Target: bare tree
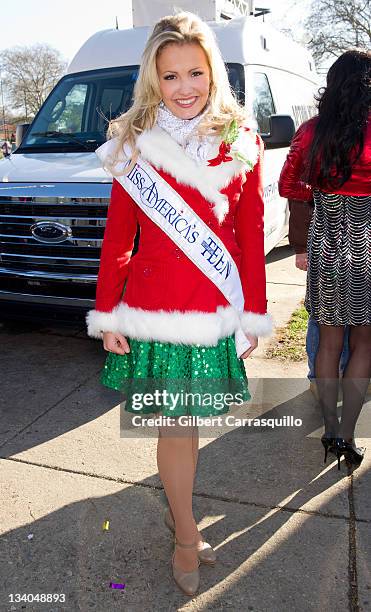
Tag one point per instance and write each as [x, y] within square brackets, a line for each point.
[338, 25]
[29, 74]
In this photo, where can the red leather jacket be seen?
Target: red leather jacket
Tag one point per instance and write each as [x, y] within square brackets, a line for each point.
[292, 184]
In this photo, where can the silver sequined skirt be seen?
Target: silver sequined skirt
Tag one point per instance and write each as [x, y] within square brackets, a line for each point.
[339, 256]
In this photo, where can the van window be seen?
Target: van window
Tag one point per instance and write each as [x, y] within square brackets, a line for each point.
[68, 117]
[263, 105]
[236, 77]
[75, 116]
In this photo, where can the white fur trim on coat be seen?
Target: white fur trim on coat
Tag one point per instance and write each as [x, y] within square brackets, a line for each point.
[157, 147]
[257, 324]
[192, 327]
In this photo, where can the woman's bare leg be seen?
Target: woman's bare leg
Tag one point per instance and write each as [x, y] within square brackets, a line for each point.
[176, 466]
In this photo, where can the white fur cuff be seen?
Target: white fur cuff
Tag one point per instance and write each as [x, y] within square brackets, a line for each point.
[98, 322]
[257, 324]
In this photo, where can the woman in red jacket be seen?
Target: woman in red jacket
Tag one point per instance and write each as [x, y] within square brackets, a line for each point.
[165, 322]
[330, 160]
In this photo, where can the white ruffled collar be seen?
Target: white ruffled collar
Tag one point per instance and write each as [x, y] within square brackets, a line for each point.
[184, 132]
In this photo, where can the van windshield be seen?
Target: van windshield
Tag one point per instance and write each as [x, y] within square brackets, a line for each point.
[74, 118]
[75, 115]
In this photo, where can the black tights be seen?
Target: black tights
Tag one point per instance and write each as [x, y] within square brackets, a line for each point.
[355, 379]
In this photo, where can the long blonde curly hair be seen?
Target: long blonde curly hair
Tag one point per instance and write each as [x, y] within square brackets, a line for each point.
[223, 107]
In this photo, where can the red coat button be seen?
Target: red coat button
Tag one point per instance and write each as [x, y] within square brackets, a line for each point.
[147, 271]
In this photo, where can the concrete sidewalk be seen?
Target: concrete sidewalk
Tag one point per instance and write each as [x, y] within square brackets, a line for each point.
[291, 533]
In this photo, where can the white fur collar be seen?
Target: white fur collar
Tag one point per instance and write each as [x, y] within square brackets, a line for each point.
[158, 148]
[161, 150]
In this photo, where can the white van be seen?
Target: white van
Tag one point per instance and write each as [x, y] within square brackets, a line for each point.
[54, 194]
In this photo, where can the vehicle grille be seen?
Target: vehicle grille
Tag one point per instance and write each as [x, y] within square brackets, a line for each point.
[82, 208]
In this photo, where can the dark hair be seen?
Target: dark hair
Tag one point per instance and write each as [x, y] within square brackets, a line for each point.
[343, 108]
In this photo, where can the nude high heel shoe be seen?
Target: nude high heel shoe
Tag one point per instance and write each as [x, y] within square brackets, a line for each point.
[207, 555]
[188, 582]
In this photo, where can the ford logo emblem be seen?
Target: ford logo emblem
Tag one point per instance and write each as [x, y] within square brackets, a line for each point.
[50, 231]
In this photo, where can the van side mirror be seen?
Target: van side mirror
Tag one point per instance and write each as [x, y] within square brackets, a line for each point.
[20, 132]
[282, 129]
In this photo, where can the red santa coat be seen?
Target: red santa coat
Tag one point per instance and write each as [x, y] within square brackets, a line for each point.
[159, 294]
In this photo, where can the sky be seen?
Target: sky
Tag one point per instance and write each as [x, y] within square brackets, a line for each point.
[66, 25]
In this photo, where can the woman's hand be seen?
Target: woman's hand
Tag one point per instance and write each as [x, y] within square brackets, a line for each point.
[115, 343]
[254, 343]
[301, 261]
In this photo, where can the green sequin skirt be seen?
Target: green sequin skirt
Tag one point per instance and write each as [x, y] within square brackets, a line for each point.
[178, 379]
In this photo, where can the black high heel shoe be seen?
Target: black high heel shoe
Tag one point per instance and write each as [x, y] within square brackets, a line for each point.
[353, 455]
[329, 446]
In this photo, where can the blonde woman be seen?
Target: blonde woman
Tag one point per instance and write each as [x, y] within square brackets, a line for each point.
[192, 309]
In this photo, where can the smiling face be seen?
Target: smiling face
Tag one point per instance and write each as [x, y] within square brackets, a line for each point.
[184, 78]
